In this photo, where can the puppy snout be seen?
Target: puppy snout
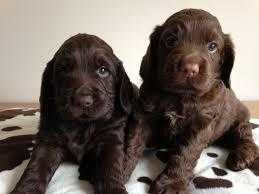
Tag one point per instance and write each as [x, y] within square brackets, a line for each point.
[191, 69]
[190, 65]
[86, 101]
[83, 99]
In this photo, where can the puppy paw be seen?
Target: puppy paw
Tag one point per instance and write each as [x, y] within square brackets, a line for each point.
[241, 159]
[22, 192]
[113, 191]
[165, 185]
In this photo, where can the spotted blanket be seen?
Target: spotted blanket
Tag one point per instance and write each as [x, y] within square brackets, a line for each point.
[17, 132]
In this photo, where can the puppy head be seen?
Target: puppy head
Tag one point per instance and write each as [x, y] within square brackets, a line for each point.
[188, 53]
[85, 80]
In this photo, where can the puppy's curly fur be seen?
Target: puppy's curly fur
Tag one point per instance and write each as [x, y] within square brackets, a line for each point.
[86, 116]
[186, 97]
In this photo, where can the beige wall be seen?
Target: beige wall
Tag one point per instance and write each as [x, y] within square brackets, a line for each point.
[32, 30]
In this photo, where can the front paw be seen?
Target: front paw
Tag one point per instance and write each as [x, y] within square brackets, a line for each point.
[27, 190]
[20, 192]
[165, 185]
[241, 158]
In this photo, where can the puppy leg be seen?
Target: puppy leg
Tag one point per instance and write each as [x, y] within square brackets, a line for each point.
[179, 170]
[108, 175]
[44, 162]
[87, 166]
[134, 146]
[244, 150]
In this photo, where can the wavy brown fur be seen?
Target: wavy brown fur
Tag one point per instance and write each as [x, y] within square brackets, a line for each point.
[186, 112]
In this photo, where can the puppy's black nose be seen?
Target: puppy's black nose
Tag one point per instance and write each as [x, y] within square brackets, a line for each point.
[83, 100]
[191, 69]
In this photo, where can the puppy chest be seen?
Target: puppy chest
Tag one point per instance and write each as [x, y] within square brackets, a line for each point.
[174, 121]
[180, 115]
[78, 142]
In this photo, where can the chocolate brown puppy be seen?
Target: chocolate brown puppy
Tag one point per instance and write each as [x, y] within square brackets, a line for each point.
[86, 116]
[186, 98]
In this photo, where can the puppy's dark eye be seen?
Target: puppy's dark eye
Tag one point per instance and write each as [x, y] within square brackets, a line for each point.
[103, 72]
[170, 40]
[212, 46]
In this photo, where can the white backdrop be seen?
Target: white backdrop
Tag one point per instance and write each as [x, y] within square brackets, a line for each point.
[32, 30]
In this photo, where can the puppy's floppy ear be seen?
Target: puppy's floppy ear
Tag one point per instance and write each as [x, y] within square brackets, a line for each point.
[47, 89]
[126, 90]
[227, 61]
[148, 64]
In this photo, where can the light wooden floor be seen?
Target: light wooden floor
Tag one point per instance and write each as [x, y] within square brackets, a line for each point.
[253, 106]
[18, 105]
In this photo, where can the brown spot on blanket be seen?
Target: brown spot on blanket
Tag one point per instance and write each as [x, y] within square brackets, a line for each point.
[30, 112]
[14, 150]
[11, 113]
[254, 125]
[16, 141]
[145, 179]
[12, 128]
[8, 114]
[219, 171]
[205, 183]
[212, 155]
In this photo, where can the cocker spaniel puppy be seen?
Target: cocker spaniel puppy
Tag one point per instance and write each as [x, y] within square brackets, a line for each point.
[86, 116]
[186, 99]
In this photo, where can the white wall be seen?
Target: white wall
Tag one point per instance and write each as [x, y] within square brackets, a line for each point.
[32, 30]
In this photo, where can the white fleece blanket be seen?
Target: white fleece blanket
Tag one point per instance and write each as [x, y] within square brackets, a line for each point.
[211, 175]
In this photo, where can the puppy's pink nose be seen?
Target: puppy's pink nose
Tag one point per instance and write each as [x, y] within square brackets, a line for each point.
[83, 100]
[191, 69]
